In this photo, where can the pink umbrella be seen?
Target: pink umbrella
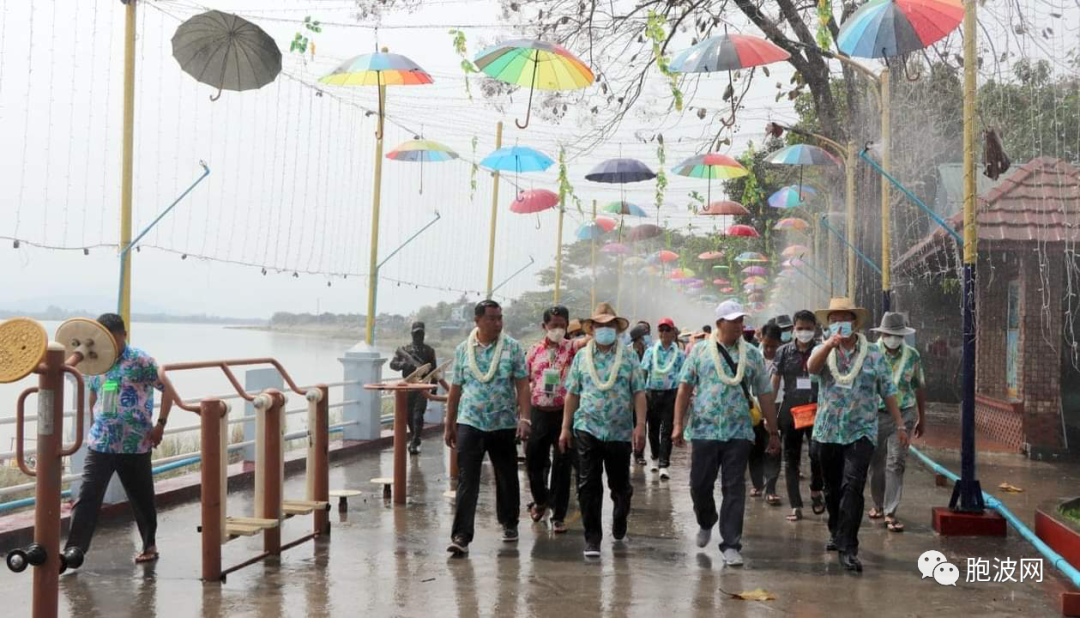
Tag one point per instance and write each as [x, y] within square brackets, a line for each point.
[724, 208]
[721, 281]
[615, 248]
[793, 262]
[742, 230]
[534, 200]
[677, 274]
[668, 256]
[795, 251]
[711, 255]
[727, 290]
[755, 270]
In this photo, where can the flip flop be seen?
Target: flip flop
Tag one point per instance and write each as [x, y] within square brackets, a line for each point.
[147, 556]
[537, 512]
[894, 525]
[772, 500]
[875, 513]
[817, 504]
[754, 493]
[796, 515]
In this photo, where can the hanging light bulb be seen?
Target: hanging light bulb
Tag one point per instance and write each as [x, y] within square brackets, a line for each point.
[183, 257]
[296, 275]
[15, 244]
[264, 272]
[85, 251]
[327, 284]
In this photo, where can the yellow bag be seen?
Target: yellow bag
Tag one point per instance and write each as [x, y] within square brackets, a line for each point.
[755, 413]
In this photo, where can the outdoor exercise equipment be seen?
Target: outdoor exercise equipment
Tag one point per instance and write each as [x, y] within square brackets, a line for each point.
[25, 349]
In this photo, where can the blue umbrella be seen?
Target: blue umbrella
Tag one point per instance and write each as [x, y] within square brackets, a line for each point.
[625, 208]
[590, 231]
[619, 171]
[884, 28]
[517, 159]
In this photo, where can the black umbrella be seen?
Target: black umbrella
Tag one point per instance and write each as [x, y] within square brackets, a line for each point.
[226, 51]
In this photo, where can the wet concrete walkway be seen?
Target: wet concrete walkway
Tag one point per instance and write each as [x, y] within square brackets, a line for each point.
[387, 561]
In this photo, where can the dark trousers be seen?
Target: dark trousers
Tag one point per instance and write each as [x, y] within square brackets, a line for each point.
[501, 448]
[546, 427]
[728, 459]
[596, 456]
[659, 420]
[764, 468]
[416, 407]
[135, 474]
[844, 467]
[793, 440]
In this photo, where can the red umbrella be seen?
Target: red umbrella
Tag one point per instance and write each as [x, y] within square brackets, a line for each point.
[742, 230]
[711, 255]
[668, 256]
[535, 200]
[605, 223]
[721, 281]
[727, 290]
[724, 208]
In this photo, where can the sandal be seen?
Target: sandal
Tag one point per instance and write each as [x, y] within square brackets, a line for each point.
[772, 500]
[817, 504]
[537, 512]
[149, 555]
[796, 515]
[558, 527]
[754, 493]
[893, 525]
[875, 513]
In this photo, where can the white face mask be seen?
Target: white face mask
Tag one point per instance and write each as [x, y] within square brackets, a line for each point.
[555, 335]
[892, 342]
[804, 336]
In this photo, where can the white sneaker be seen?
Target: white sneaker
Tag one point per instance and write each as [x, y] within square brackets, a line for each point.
[732, 557]
[664, 474]
[703, 536]
[655, 465]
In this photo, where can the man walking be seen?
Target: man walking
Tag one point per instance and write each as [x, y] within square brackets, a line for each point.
[490, 383]
[407, 359]
[852, 376]
[662, 363]
[715, 384]
[605, 407]
[120, 441]
[764, 467]
[887, 465]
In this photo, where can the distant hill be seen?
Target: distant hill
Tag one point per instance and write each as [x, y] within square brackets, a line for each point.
[54, 313]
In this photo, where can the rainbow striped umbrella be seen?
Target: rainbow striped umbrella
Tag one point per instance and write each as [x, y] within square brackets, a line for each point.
[884, 28]
[790, 196]
[625, 208]
[711, 255]
[421, 151]
[712, 165]
[590, 231]
[536, 64]
[795, 251]
[378, 69]
[755, 270]
[792, 223]
[802, 154]
[751, 256]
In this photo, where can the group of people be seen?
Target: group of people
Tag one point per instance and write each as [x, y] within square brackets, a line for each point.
[591, 394]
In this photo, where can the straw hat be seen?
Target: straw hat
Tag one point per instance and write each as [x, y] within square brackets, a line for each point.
[844, 304]
[604, 315]
[893, 323]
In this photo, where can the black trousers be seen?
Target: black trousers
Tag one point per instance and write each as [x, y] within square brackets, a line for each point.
[138, 481]
[546, 427]
[793, 440]
[844, 467]
[417, 406]
[659, 420]
[764, 468]
[596, 456]
[501, 448]
[726, 458]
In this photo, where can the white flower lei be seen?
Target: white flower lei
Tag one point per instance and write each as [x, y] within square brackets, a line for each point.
[720, 371]
[656, 357]
[590, 366]
[470, 354]
[856, 366]
[905, 356]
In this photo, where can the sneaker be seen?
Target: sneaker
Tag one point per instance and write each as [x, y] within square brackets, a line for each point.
[618, 529]
[703, 536]
[655, 464]
[458, 546]
[558, 527]
[639, 460]
[831, 545]
[732, 557]
[664, 474]
[592, 550]
[850, 562]
[510, 534]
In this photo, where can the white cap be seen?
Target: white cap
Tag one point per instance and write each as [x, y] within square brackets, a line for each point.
[729, 310]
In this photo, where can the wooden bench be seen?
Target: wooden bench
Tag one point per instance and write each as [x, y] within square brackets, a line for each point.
[247, 526]
[302, 507]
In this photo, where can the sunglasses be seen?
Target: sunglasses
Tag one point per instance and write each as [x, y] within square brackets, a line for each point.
[666, 329]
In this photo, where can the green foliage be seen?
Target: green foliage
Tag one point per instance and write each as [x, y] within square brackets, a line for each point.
[661, 175]
[566, 190]
[301, 42]
[1034, 112]
[473, 171]
[461, 50]
[656, 32]
[825, 15]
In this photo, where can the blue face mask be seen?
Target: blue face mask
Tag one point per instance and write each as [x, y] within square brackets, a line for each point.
[646, 340]
[841, 328]
[604, 336]
[785, 336]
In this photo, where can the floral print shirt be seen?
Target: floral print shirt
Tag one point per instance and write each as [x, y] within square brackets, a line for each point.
[489, 406]
[719, 411]
[124, 410]
[911, 376]
[607, 415]
[846, 414]
[542, 359]
[657, 357]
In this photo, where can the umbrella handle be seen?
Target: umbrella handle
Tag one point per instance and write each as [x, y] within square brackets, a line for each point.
[378, 123]
[532, 86]
[215, 97]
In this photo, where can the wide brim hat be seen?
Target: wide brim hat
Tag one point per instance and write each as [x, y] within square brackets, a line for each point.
[862, 316]
[574, 327]
[893, 323]
[605, 315]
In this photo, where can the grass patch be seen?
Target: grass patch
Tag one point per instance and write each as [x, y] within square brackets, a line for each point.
[1072, 514]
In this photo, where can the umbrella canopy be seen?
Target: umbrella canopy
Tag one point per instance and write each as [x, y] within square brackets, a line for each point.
[742, 230]
[677, 274]
[720, 267]
[724, 208]
[625, 208]
[883, 28]
[615, 248]
[517, 159]
[693, 282]
[792, 223]
[755, 270]
[751, 256]
[607, 224]
[721, 281]
[535, 200]
[750, 287]
[634, 262]
[536, 64]
[755, 280]
[667, 256]
[590, 231]
[378, 69]
[795, 251]
[790, 196]
[620, 171]
[711, 255]
[423, 151]
[727, 290]
[713, 165]
[802, 154]
[210, 46]
[688, 272]
[645, 232]
[792, 263]
[727, 52]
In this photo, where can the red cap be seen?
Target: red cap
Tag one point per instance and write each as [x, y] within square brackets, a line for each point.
[666, 322]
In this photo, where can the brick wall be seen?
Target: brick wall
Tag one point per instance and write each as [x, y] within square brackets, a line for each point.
[995, 271]
[1002, 421]
[1040, 346]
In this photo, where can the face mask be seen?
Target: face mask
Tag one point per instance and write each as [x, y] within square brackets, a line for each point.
[555, 335]
[841, 328]
[892, 341]
[804, 336]
[604, 336]
[785, 336]
[646, 341]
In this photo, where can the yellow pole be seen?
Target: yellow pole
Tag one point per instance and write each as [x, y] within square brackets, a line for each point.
[592, 257]
[886, 228]
[850, 231]
[618, 274]
[558, 251]
[494, 215]
[373, 264]
[970, 78]
[127, 170]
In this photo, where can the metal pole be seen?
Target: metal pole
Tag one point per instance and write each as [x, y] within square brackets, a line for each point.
[592, 257]
[128, 161]
[373, 262]
[618, 274]
[886, 227]
[850, 190]
[850, 246]
[517, 272]
[494, 215]
[967, 494]
[558, 251]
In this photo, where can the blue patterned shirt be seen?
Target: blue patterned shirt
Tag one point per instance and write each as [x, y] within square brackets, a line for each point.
[911, 376]
[124, 411]
[844, 414]
[607, 415]
[657, 358]
[719, 411]
[489, 406]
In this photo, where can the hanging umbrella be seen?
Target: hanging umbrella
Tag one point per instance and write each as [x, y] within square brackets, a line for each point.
[536, 64]
[751, 287]
[634, 262]
[378, 69]
[645, 232]
[884, 28]
[795, 251]
[535, 200]
[721, 281]
[620, 171]
[724, 208]
[711, 255]
[755, 280]
[727, 290]
[720, 267]
[606, 223]
[590, 231]
[667, 256]
[755, 270]
[517, 159]
[677, 274]
[615, 248]
[712, 165]
[792, 223]
[790, 196]
[625, 208]
[802, 155]
[689, 272]
[742, 230]
[422, 150]
[226, 52]
[751, 256]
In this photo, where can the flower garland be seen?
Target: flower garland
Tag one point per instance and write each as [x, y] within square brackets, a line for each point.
[590, 366]
[470, 354]
[720, 371]
[898, 371]
[846, 379]
[656, 357]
